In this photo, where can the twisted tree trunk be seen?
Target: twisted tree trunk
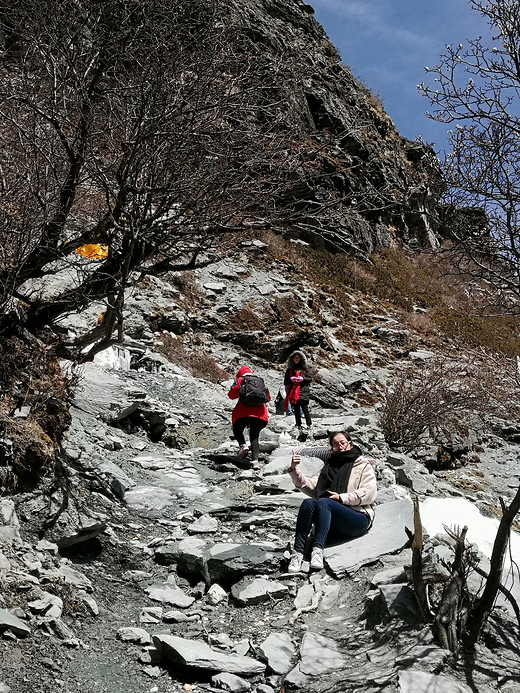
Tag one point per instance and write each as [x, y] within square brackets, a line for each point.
[484, 605]
[448, 615]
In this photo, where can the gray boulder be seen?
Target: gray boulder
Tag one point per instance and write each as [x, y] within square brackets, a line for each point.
[319, 655]
[386, 536]
[230, 682]
[232, 561]
[278, 651]
[254, 591]
[10, 622]
[417, 681]
[198, 654]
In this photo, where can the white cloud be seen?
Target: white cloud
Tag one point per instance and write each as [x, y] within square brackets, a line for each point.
[386, 21]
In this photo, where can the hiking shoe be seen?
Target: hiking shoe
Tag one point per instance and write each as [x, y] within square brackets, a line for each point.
[255, 464]
[244, 449]
[317, 559]
[295, 564]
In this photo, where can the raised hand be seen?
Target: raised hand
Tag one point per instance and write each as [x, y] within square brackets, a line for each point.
[295, 461]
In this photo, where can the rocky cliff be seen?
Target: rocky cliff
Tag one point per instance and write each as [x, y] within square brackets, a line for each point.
[371, 187]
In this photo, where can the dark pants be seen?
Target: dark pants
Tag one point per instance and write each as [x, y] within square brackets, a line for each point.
[302, 405]
[327, 515]
[255, 426]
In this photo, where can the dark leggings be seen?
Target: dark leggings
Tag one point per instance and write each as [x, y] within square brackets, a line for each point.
[304, 404]
[327, 515]
[255, 426]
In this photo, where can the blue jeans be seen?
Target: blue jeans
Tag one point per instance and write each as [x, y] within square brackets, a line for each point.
[326, 515]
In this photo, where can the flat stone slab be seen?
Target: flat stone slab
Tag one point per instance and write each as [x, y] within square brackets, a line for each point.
[195, 653]
[319, 655]
[278, 650]
[204, 525]
[232, 561]
[168, 593]
[417, 681]
[386, 536]
[149, 498]
[10, 622]
[256, 590]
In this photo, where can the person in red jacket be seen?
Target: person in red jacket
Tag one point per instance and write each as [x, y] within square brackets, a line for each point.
[245, 416]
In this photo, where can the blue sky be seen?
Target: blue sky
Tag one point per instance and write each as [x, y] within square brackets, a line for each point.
[387, 43]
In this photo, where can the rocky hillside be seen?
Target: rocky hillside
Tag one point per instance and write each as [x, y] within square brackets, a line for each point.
[154, 559]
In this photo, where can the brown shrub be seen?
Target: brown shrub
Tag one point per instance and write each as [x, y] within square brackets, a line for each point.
[496, 333]
[30, 376]
[200, 364]
[442, 395]
[186, 283]
[360, 278]
[431, 396]
[246, 318]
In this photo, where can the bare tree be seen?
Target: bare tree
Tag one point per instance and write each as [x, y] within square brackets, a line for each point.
[476, 86]
[148, 127]
[485, 603]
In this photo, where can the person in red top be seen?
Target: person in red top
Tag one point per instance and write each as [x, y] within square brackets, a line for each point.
[245, 416]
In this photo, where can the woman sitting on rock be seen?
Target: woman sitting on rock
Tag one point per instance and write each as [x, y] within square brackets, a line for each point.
[342, 497]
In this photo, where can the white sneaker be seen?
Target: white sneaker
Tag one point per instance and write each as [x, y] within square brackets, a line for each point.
[317, 559]
[295, 564]
[255, 464]
[244, 449]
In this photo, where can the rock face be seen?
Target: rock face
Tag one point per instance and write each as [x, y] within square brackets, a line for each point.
[376, 185]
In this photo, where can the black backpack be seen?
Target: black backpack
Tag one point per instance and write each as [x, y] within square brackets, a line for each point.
[253, 391]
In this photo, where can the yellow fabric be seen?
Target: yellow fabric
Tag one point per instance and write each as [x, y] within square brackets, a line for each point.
[93, 251]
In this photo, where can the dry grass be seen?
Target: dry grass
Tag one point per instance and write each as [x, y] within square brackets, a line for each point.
[195, 359]
[186, 283]
[495, 333]
[409, 283]
[30, 376]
